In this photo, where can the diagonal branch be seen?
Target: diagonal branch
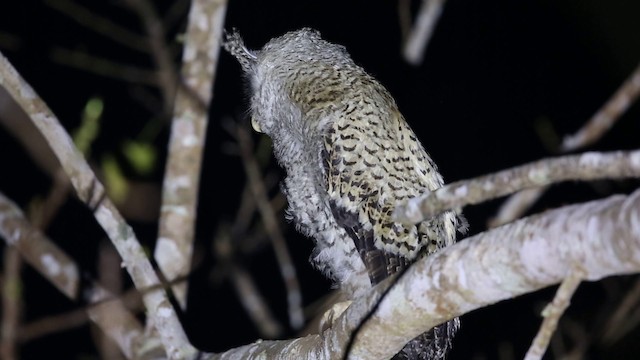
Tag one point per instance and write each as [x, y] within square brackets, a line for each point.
[591, 132]
[552, 314]
[100, 24]
[587, 166]
[91, 192]
[422, 30]
[271, 225]
[607, 116]
[57, 267]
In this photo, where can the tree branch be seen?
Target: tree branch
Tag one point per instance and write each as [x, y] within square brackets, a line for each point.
[607, 116]
[527, 255]
[188, 130]
[591, 132]
[91, 192]
[57, 267]
[552, 314]
[587, 166]
[271, 225]
[422, 30]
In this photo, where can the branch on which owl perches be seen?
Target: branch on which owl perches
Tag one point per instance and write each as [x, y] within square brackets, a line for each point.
[602, 236]
[587, 166]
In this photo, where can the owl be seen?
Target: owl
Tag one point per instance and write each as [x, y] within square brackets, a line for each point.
[350, 157]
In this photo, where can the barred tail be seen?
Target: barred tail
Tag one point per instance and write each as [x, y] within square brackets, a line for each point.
[434, 344]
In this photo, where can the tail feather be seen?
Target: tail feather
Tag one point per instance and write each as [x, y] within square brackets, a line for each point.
[434, 344]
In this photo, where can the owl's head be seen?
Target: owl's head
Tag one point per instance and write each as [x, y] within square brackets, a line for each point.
[285, 76]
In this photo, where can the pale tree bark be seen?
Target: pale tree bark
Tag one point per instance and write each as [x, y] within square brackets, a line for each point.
[587, 166]
[92, 192]
[580, 242]
[174, 248]
[596, 239]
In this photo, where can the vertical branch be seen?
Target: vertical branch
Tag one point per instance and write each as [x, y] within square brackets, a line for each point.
[91, 192]
[11, 304]
[109, 276]
[180, 188]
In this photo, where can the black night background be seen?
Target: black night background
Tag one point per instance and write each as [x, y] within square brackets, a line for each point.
[502, 82]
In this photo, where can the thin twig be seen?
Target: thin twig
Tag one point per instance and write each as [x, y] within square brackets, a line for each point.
[552, 314]
[109, 275]
[11, 304]
[587, 166]
[57, 267]
[58, 193]
[404, 19]
[607, 116]
[271, 224]
[100, 25]
[580, 338]
[53, 324]
[254, 303]
[131, 300]
[104, 67]
[422, 30]
[189, 126]
[161, 55]
[91, 192]
[615, 323]
[595, 128]
[516, 205]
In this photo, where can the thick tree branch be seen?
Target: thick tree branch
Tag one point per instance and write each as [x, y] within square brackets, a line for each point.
[91, 191]
[587, 166]
[37, 251]
[603, 237]
[188, 130]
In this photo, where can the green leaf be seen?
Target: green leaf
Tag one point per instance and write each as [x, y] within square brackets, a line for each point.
[89, 128]
[142, 156]
[115, 182]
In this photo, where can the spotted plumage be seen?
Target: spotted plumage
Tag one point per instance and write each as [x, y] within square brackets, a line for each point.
[350, 157]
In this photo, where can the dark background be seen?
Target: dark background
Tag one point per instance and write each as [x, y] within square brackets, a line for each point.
[501, 81]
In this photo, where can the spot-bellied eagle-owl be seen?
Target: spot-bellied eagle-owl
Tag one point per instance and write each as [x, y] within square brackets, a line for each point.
[350, 157]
